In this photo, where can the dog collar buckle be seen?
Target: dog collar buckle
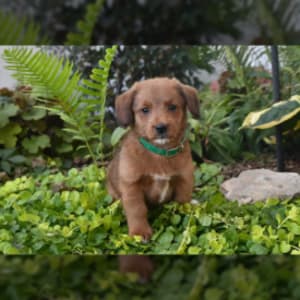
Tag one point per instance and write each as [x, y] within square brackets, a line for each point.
[181, 147]
[174, 151]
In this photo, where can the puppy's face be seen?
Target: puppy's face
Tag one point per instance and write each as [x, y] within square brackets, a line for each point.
[156, 108]
[159, 112]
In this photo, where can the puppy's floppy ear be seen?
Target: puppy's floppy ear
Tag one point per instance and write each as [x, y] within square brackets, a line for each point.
[190, 95]
[123, 106]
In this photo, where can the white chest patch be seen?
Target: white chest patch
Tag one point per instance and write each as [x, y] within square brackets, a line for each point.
[164, 192]
[164, 180]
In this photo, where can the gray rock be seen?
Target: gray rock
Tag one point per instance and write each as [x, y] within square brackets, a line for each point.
[261, 184]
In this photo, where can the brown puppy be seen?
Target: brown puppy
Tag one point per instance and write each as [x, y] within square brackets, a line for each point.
[156, 111]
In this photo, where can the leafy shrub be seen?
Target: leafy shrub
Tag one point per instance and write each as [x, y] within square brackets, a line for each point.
[211, 136]
[182, 278]
[9, 159]
[30, 132]
[80, 103]
[72, 213]
[216, 135]
[240, 89]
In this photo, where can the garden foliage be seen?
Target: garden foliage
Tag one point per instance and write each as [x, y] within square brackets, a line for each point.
[240, 89]
[56, 213]
[80, 103]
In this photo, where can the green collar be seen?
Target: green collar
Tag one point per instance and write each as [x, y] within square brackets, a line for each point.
[164, 152]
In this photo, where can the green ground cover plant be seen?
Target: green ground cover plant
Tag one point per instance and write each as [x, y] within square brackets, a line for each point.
[182, 278]
[71, 213]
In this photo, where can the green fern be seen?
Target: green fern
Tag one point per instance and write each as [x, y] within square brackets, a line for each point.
[50, 77]
[96, 88]
[61, 91]
[19, 31]
[85, 27]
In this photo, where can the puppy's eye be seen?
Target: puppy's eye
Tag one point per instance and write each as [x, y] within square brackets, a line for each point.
[145, 110]
[172, 107]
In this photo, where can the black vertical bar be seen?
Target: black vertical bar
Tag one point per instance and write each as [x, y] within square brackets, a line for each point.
[276, 97]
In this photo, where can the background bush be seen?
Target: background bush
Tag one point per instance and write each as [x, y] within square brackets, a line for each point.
[178, 22]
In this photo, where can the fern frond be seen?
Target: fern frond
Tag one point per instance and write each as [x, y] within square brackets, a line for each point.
[85, 27]
[49, 76]
[19, 31]
[95, 89]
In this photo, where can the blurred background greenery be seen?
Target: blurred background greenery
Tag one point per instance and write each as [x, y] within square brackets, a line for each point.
[175, 277]
[157, 22]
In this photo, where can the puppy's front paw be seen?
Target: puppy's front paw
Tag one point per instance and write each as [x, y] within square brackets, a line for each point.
[143, 230]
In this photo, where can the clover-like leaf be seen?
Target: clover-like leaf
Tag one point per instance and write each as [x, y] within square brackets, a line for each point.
[35, 113]
[34, 143]
[258, 249]
[29, 217]
[8, 135]
[285, 247]
[166, 238]
[7, 110]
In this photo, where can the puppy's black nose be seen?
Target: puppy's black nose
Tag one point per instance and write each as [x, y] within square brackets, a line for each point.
[161, 128]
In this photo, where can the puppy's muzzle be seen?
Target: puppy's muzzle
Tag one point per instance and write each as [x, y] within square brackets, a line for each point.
[161, 129]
